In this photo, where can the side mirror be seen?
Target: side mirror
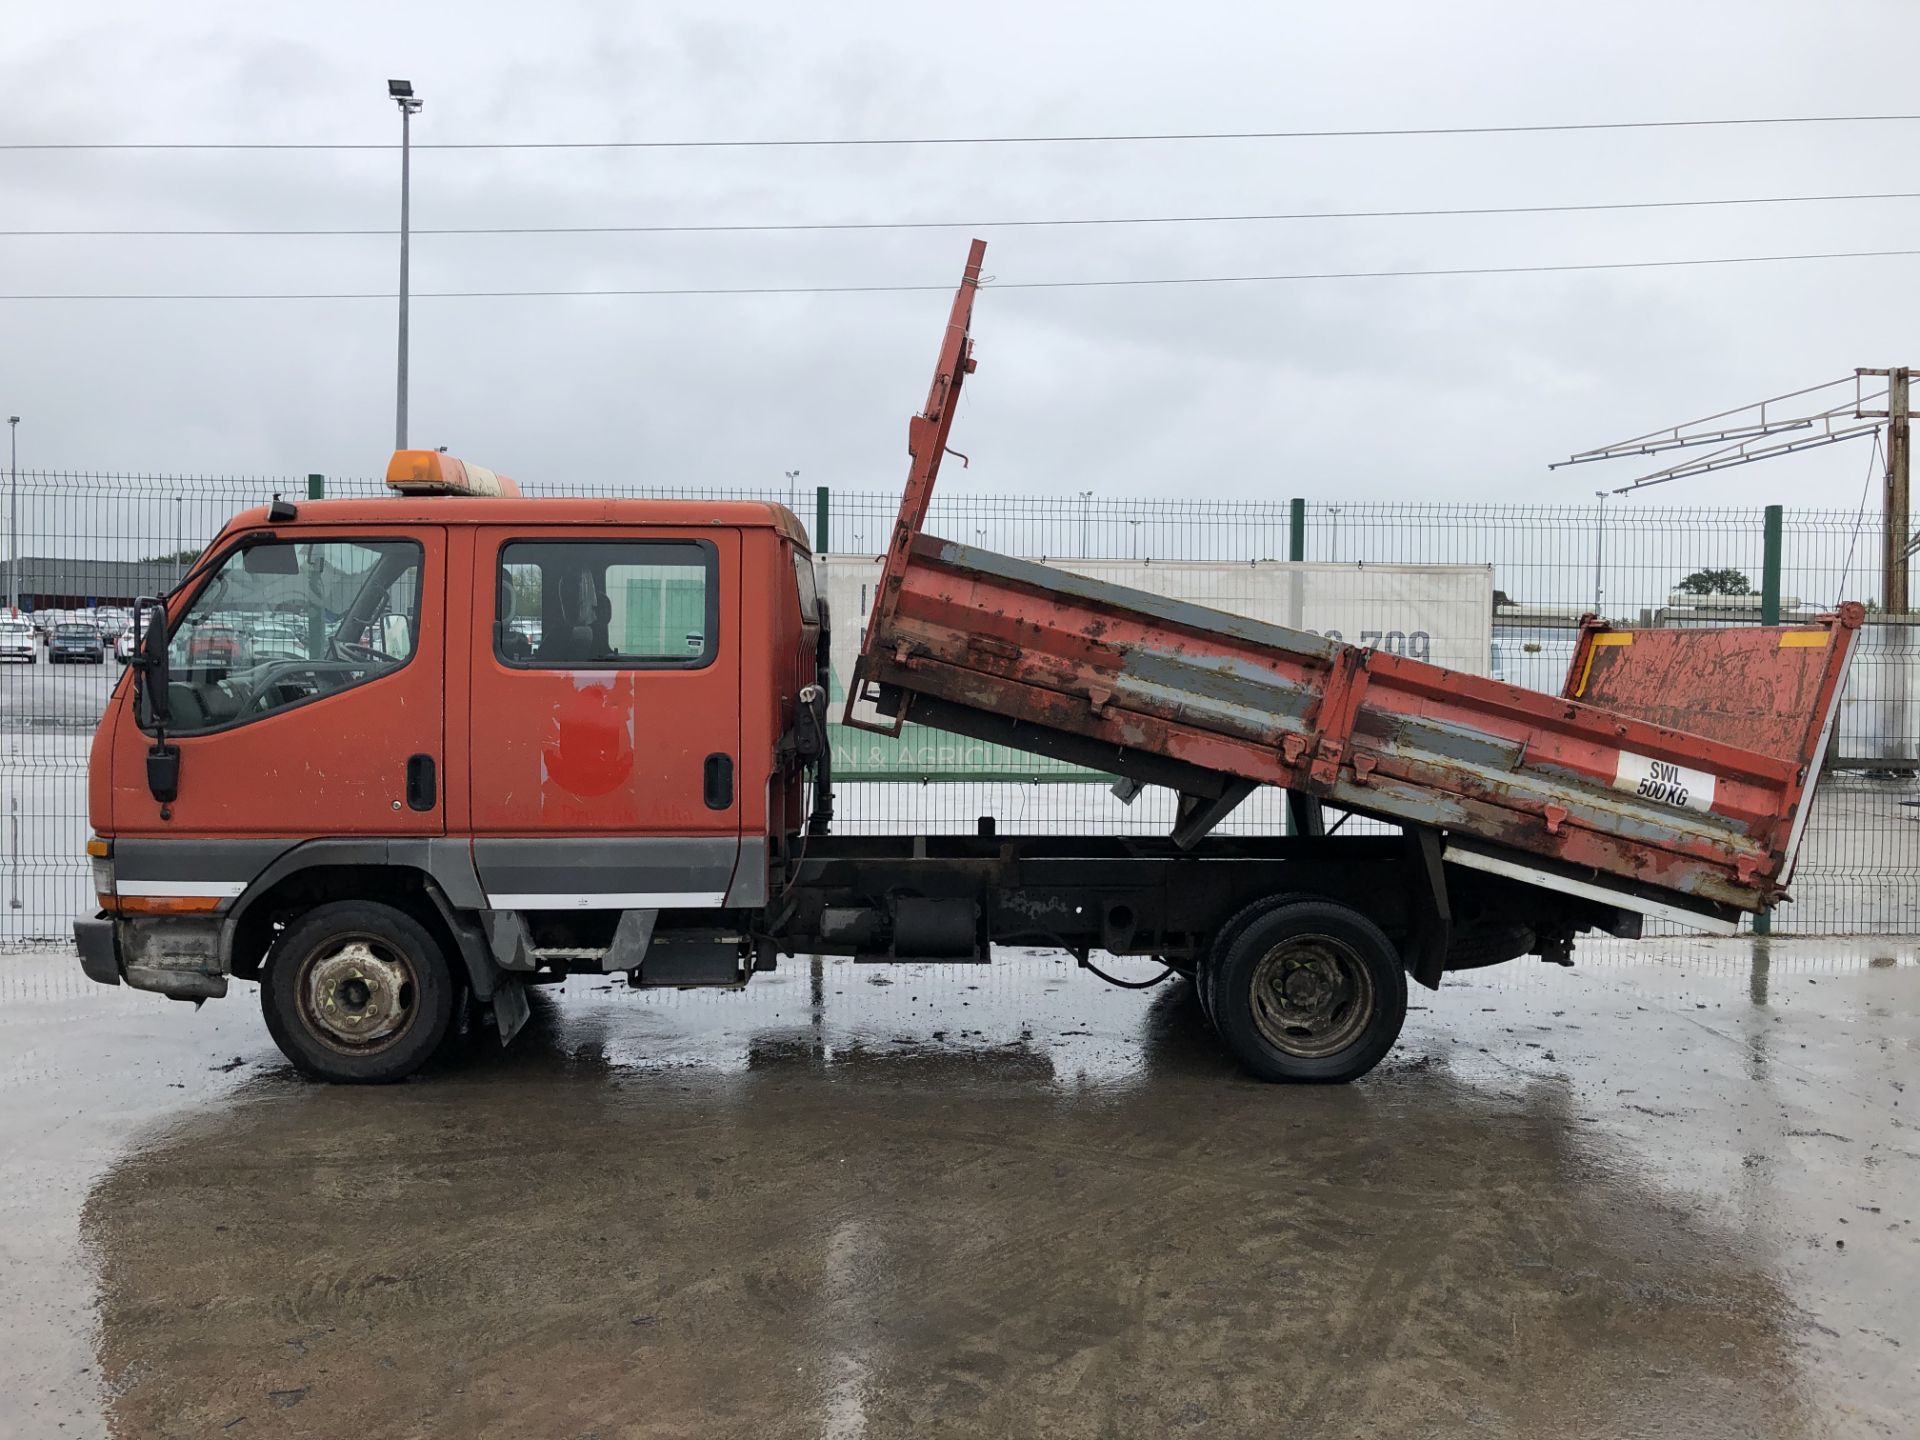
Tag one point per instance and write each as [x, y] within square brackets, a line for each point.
[152, 707]
[396, 635]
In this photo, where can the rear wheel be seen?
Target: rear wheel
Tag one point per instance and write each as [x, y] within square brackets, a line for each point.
[357, 991]
[1230, 930]
[1308, 991]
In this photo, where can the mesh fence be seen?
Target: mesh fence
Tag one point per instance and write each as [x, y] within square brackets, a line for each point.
[87, 544]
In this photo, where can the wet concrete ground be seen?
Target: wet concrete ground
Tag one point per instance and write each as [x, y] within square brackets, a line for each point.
[1675, 1191]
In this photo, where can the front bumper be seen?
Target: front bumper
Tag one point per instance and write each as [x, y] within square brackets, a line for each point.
[99, 956]
[174, 956]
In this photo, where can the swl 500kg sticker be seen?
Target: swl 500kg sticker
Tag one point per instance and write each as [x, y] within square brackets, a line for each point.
[1662, 781]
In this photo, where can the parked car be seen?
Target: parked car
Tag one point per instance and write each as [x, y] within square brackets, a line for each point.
[278, 640]
[80, 643]
[17, 640]
[123, 645]
[217, 646]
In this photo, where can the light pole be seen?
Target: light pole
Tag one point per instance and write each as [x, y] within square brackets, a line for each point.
[1599, 549]
[13, 514]
[1334, 511]
[401, 92]
[13, 608]
[1086, 499]
[793, 479]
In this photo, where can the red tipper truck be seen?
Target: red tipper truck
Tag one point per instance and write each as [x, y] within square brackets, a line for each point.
[470, 741]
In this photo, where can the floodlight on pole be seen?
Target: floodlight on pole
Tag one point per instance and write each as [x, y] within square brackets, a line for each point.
[401, 93]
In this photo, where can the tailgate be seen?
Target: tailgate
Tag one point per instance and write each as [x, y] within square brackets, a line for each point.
[1768, 690]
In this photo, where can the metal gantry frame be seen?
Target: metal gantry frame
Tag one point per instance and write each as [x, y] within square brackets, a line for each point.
[1748, 433]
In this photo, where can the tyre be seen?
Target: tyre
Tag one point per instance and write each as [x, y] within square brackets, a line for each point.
[357, 992]
[1224, 937]
[1309, 991]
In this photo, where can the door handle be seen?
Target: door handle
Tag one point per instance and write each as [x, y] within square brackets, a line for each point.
[422, 792]
[717, 782]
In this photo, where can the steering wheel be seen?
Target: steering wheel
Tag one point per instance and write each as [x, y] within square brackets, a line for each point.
[259, 689]
[356, 650]
[260, 697]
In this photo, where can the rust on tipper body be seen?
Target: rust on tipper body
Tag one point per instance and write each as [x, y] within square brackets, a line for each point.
[1678, 759]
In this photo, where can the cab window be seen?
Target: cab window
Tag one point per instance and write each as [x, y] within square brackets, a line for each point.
[282, 622]
[804, 578]
[607, 604]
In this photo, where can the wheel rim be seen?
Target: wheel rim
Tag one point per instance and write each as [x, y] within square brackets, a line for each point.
[1312, 996]
[357, 994]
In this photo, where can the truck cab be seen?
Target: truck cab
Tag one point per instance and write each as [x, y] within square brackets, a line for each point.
[509, 722]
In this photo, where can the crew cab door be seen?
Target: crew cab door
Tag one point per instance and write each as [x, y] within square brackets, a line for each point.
[306, 677]
[606, 717]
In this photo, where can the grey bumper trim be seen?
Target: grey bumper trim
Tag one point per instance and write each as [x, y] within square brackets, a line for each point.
[98, 957]
[610, 872]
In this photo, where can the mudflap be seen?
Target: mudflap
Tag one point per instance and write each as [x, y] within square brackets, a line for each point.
[510, 1008]
[1431, 934]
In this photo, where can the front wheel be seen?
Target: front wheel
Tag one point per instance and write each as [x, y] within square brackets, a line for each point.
[1310, 991]
[357, 992]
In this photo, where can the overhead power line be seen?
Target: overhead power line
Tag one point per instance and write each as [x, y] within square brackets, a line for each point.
[842, 225]
[1082, 139]
[996, 285]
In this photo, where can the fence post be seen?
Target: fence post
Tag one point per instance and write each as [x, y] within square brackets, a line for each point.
[1770, 615]
[316, 487]
[822, 515]
[1296, 551]
[1770, 569]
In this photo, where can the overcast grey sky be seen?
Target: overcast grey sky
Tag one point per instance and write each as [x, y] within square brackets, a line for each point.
[1372, 389]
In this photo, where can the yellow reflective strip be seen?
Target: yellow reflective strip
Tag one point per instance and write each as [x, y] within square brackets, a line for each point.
[1605, 637]
[1804, 640]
